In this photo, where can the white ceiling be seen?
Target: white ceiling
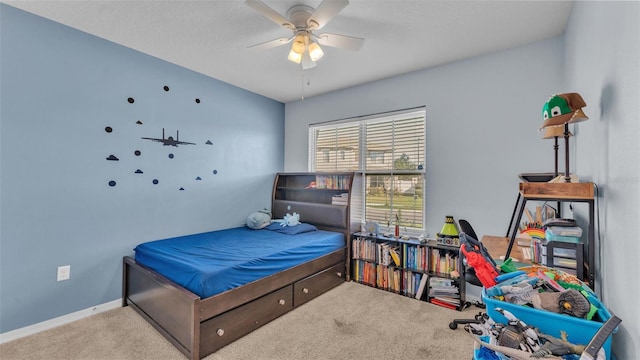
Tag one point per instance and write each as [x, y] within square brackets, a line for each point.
[211, 37]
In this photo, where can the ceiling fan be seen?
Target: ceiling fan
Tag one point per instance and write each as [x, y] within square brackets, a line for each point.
[303, 20]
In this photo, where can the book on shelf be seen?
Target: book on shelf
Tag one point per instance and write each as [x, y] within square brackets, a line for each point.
[448, 291]
[415, 256]
[394, 256]
[454, 303]
[364, 272]
[396, 279]
[444, 290]
[422, 286]
[388, 278]
[337, 182]
[363, 249]
[443, 304]
[387, 254]
[384, 257]
[382, 279]
[453, 300]
[441, 282]
[443, 261]
[340, 199]
[417, 279]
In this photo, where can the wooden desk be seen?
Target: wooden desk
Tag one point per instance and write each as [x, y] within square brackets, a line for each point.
[560, 192]
[497, 247]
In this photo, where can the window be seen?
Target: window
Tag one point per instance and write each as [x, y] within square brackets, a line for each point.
[389, 151]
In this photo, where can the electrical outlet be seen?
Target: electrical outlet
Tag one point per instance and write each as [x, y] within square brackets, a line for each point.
[64, 272]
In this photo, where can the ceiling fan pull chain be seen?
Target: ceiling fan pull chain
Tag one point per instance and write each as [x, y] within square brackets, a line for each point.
[302, 83]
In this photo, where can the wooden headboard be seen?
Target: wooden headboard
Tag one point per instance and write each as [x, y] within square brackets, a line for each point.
[323, 199]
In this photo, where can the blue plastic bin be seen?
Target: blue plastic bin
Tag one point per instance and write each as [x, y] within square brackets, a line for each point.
[579, 331]
[477, 353]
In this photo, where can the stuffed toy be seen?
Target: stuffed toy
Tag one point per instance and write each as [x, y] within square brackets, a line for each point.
[259, 219]
[570, 302]
[289, 220]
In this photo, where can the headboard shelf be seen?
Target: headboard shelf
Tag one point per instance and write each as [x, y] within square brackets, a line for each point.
[331, 201]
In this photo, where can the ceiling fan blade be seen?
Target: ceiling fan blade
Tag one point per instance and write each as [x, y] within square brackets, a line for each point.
[307, 63]
[270, 44]
[340, 41]
[269, 13]
[325, 12]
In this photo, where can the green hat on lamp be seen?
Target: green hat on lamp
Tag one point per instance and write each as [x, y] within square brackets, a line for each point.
[563, 109]
[558, 112]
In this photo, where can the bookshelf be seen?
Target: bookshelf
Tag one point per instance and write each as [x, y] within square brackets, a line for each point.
[422, 270]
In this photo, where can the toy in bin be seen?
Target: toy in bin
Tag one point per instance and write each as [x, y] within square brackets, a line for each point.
[519, 341]
[557, 304]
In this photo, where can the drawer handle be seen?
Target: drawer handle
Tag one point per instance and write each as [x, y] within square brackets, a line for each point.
[339, 274]
[282, 302]
[305, 290]
[220, 332]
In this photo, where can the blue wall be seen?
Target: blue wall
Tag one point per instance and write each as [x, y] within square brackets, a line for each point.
[60, 89]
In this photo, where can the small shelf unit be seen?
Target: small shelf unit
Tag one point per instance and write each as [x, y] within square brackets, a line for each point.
[424, 270]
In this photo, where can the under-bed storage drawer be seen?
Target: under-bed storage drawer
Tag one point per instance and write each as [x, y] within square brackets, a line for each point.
[316, 284]
[225, 328]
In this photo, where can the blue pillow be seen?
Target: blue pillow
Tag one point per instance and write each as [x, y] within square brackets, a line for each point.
[291, 230]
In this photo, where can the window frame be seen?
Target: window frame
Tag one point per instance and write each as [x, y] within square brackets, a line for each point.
[364, 153]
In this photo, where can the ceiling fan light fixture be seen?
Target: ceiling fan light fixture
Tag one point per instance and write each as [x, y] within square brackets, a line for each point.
[303, 20]
[299, 44]
[294, 56]
[315, 51]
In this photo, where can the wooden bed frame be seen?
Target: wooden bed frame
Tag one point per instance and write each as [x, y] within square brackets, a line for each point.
[198, 327]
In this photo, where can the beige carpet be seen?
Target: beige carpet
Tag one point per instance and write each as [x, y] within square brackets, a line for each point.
[352, 321]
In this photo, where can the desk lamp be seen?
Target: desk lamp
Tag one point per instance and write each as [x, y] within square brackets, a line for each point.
[553, 132]
[564, 109]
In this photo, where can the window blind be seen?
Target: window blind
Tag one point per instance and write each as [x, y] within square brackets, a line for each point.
[389, 151]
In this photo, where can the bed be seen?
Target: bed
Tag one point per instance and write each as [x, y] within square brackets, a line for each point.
[200, 319]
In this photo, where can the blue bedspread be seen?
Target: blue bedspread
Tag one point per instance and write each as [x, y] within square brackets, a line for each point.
[213, 262]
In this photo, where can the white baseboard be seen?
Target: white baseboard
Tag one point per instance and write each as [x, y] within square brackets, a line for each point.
[61, 320]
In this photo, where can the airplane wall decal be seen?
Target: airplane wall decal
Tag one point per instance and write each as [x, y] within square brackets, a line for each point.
[170, 141]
